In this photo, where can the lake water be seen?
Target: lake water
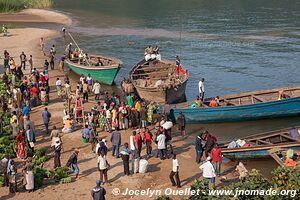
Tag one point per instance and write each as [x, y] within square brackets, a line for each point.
[236, 45]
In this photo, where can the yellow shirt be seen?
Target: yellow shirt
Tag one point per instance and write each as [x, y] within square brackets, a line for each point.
[68, 124]
[138, 106]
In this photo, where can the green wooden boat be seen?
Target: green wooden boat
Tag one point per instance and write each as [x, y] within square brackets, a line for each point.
[103, 69]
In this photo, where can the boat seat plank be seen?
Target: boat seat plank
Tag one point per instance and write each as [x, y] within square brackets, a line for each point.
[290, 138]
[258, 98]
[154, 68]
[264, 142]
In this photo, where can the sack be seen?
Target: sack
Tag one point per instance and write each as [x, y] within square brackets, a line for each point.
[136, 165]
[167, 125]
[143, 167]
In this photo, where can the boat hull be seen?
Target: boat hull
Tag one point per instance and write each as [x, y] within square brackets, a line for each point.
[248, 153]
[170, 95]
[281, 108]
[105, 76]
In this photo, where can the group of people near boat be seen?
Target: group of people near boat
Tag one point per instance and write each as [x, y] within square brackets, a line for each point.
[152, 53]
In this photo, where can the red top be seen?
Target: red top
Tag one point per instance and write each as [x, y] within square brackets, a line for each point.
[216, 154]
[34, 91]
[138, 140]
[147, 137]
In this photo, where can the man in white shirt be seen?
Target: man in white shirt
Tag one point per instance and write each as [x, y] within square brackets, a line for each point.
[161, 145]
[133, 149]
[208, 172]
[103, 167]
[58, 84]
[96, 90]
[175, 172]
[201, 89]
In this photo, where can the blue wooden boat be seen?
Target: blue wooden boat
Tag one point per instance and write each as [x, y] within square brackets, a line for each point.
[262, 144]
[244, 106]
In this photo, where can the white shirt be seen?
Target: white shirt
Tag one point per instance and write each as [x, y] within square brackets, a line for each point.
[108, 114]
[175, 165]
[208, 170]
[131, 141]
[58, 83]
[102, 162]
[96, 88]
[161, 141]
[201, 87]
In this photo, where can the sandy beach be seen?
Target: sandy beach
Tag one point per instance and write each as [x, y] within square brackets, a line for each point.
[27, 40]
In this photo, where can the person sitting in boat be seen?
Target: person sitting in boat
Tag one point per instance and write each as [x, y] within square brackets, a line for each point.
[148, 81]
[148, 52]
[290, 162]
[282, 95]
[214, 103]
[80, 56]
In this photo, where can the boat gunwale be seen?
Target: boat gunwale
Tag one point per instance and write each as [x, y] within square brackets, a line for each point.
[260, 147]
[238, 107]
[107, 67]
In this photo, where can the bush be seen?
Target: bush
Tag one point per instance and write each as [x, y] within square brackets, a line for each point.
[39, 157]
[17, 5]
[61, 173]
[1, 181]
[199, 185]
[39, 175]
[286, 178]
[253, 181]
[163, 197]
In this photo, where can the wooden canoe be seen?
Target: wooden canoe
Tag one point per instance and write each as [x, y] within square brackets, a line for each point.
[172, 89]
[261, 144]
[103, 69]
[244, 106]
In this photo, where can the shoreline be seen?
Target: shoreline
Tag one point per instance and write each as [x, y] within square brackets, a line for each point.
[37, 16]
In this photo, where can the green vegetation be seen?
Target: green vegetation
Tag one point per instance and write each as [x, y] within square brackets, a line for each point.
[284, 178]
[163, 197]
[62, 173]
[17, 5]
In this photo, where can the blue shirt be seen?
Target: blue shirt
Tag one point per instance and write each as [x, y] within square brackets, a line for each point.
[25, 111]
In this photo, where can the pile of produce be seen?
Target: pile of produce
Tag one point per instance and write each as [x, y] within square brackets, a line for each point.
[62, 174]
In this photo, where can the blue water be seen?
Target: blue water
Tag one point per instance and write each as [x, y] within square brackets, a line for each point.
[236, 45]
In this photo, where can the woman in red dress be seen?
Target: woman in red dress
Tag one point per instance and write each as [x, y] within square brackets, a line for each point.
[21, 145]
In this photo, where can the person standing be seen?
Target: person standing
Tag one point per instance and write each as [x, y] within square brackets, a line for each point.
[29, 177]
[161, 145]
[133, 148]
[46, 118]
[143, 116]
[85, 90]
[181, 123]
[125, 157]
[116, 142]
[198, 148]
[175, 172]
[86, 133]
[52, 58]
[96, 90]
[15, 128]
[148, 141]
[57, 153]
[73, 163]
[30, 135]
[30, 62]
[11, 173]
[89, 81]
[139, 143]
[208, 172]
[58, 85]
[103, 166]
[23, 60]
[98, 192]
[216, 158]
[201, 89]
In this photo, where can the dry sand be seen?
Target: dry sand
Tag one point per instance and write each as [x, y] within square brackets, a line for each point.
[36, 15]
[27, 40]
